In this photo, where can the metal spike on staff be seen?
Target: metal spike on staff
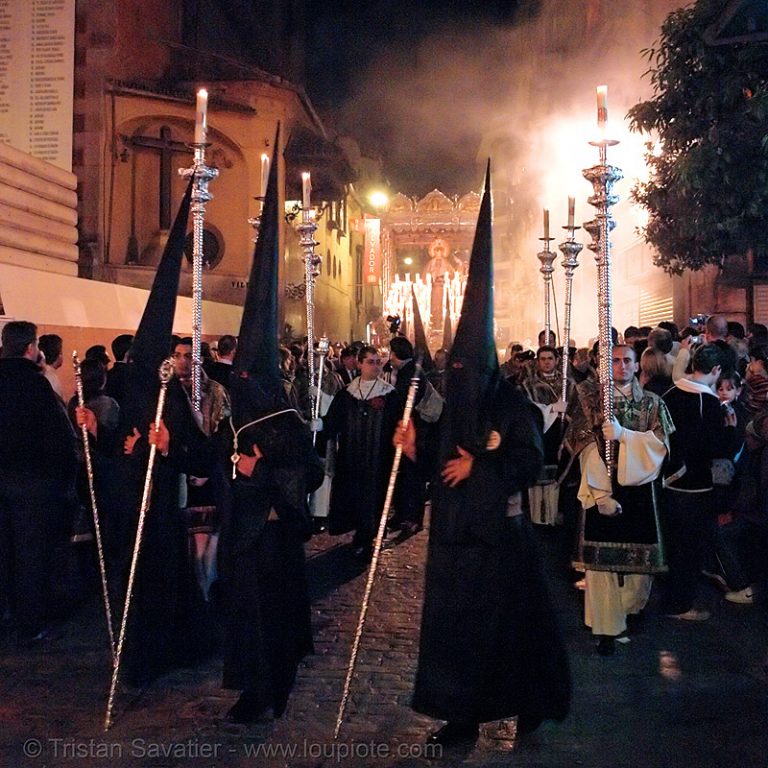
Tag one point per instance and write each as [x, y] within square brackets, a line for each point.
[165, 373]
[409, 401]
[94, 508]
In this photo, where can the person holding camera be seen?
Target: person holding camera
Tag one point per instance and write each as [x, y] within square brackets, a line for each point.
[706, 330]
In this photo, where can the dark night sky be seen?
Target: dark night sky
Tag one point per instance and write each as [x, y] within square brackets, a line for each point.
[345, 35]
[364, 65]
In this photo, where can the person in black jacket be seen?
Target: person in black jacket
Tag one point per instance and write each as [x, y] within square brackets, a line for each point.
[410, 491]
[38, 466]
[701, 435]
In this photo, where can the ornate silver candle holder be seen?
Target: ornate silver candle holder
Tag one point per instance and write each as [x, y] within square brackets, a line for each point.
[570, 250]
[203, 174]
[603, 177]
[547, 258]
[312, 262]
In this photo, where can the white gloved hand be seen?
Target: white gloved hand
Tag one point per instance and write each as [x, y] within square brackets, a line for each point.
[612, 430]
[609, 507]
[312, 392]
[316, 425]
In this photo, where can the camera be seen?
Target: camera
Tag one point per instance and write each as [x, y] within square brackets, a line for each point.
[698, 324]
[394, 324]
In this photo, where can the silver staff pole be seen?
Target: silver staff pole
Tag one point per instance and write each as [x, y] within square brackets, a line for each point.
[307, 230]
[94, 508]
[409, 401]
[603, 177]
[547, 258]
[165, 373]
[322, 347]
[570, 250]
[200, 197]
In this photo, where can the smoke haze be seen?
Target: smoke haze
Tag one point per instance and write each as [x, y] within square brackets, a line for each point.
[435, 108]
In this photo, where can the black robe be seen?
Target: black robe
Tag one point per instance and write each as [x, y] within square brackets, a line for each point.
[261, 560]
[169, 625]
[490, 647]
[364, 429]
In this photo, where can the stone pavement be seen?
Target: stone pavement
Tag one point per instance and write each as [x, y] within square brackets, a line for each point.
[678, 694]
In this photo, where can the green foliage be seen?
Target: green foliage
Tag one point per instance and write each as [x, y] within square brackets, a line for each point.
[707, 196]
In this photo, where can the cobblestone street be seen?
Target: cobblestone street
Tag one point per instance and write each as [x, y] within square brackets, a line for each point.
[679, 694]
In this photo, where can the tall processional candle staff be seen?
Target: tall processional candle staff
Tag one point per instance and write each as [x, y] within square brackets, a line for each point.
[603, 178]
[255, 221]
[165, 373]
[94, 507]
[202, 174]
[409, 402]
[312, 262]
[570, 250]
[547, 258]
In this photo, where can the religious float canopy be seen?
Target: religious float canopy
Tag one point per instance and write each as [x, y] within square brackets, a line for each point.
[425, 247]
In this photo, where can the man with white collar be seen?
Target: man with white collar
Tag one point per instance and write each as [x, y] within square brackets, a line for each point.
[362, 417]
[619, 544]
[544, 388]
[702, 433]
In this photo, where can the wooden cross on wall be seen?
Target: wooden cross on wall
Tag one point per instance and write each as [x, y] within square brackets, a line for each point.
[167, 147]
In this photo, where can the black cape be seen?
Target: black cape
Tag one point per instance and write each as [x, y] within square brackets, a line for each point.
[490, 647]
[262, 564]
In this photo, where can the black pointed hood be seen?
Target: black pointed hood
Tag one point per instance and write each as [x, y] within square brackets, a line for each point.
[420, 345]
[474, 343]
[152, 341]
[257, 358]
[473, 363]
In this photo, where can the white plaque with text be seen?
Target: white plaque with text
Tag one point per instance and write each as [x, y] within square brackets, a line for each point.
[37, 56]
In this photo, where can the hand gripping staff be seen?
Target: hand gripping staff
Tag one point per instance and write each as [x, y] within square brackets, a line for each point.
[322, 348]
[94, 509]
[409, 401]
[165, 372]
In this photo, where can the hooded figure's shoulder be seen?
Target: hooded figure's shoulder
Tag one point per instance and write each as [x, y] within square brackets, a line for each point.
[513, 411]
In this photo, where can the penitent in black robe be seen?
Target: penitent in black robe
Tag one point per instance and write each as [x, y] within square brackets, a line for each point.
[261, 557]
[490, 647]
[170, 625]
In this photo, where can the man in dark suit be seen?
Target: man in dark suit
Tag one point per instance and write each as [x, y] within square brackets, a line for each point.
[38, 464]
[347, 366]
[221, 369]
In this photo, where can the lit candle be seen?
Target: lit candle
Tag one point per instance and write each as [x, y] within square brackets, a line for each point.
[201, 117]
[546, 224]
[306, 188]
[602, 106]
[264, 174]
[571, 211]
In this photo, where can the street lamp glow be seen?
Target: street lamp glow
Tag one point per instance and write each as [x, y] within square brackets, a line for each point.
[378, 199]
[408, 261]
